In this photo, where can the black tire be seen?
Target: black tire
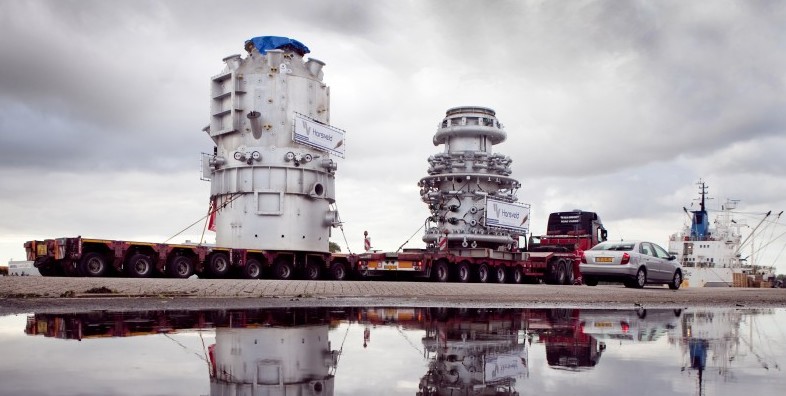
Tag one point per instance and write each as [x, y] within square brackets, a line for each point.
[93, 265]
[218, 265]
[483, 273]
[252, 269]
[517, 275]
[590, 281]
[48, 270]
[568, 272]
[338, 271]
[440, 272]
[463, 273]
[283, 269]
[500, 274]
[180, 267]
[557, 274]
[313, 271]
[140, 265]
[676, 281]
[641, 278]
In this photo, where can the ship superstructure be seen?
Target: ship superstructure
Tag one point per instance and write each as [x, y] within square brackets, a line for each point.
[711, 255]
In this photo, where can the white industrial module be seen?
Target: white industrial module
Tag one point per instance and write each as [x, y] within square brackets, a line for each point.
[272, 175]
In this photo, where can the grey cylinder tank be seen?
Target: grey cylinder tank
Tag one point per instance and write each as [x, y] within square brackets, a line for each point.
[464, 176]
[272, 175]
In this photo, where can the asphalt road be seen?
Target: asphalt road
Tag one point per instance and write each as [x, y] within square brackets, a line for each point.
[43, 294]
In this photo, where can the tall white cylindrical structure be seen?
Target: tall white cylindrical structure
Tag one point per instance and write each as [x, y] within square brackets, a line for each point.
[462, 178]
[272, 175]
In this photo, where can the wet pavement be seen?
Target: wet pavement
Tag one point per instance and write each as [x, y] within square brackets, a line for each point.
[395, 351]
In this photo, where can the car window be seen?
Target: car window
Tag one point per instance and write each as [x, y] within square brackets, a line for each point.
[661, 252]
[645, 248]
[621, 246]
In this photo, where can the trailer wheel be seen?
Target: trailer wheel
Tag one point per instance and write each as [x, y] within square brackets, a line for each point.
[48, 271]
[180, 267]
[93, 264]
[252, 269]
[557, 273]
[313, 271]
[440, 271]
[463, 273]
[218, 265]
[500, 274]
[282, 269]
[483, 273]
[139, 265]
[517, 275]
[338, 271]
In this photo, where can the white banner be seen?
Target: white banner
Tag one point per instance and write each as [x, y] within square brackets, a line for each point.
[511, 216]
[502, 367]
[319, 136]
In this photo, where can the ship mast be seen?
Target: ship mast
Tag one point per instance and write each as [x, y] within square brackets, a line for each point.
[700, 224]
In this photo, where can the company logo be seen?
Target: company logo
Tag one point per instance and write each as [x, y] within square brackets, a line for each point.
[502, 213]
[319, 134]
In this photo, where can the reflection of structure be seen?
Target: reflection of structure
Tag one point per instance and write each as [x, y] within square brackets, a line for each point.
[639, 325]
[257, 352]
[712, 340]
[287, 351]
[294, 360]
[475, 355]
[567, 345]
[713, 335]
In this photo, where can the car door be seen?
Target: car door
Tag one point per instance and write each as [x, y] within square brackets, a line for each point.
[666, 266]
[654, 266]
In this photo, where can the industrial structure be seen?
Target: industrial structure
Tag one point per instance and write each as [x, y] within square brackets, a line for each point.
[272, 198]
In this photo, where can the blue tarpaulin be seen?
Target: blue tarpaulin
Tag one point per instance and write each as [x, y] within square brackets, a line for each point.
[265, 43]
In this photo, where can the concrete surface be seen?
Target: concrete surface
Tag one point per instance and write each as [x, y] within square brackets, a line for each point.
[28, 294]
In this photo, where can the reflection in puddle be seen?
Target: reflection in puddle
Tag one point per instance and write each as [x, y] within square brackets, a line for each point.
[418, 351]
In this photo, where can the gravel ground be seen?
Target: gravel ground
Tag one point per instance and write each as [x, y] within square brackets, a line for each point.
[39, 294]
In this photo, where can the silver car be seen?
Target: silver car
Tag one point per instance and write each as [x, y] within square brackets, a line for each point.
[634, 263]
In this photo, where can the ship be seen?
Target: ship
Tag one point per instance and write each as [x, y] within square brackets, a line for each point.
[711, 256]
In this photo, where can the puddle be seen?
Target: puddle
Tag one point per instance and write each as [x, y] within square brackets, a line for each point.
[395, 351]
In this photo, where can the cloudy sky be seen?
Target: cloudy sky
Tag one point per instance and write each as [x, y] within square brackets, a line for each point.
[614, 107]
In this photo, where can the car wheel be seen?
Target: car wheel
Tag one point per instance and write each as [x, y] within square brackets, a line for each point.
[641, 313]
[589, 281]
[676, 281]
[641, 278]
